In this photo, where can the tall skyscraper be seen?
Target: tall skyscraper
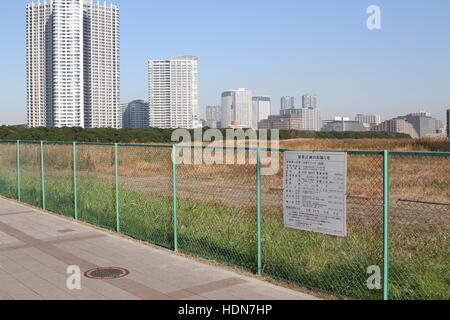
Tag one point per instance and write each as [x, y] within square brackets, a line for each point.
[287, 103]
[261, 108]
[309, 101]
[237, 109]
[311, 119]
[135, 115]
[173, 92]
[73, 64]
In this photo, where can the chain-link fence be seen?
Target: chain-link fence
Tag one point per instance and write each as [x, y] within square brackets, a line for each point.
[59, 177]
[217, 209]
[419, 227]
[397, 211]
[336, 265]
[8, 170]
[145, 182]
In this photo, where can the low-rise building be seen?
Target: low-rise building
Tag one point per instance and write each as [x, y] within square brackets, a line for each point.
[311, 118]
[371, 119]
[281, 122]
[397, 126]
[422, 122]
[213, 116]
[344, 125]
[135, 114]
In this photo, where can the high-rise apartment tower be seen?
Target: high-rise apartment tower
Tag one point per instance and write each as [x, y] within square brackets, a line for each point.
[173, 92]
[287, 103]
[73, 64]
[237, 109]
[309, 101]
[261, 109]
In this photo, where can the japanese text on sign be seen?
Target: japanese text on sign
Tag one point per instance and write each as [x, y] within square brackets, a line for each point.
[315, 192]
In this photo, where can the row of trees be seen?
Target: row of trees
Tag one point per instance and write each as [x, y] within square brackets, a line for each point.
[154, 135]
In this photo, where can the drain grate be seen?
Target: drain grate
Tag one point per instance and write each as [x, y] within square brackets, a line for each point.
[107, 273]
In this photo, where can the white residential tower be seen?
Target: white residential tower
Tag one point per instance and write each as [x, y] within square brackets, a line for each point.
[237, 109]
[261, 109]
[309, 101]
[287, 103]
[173, 92]
[73, 64]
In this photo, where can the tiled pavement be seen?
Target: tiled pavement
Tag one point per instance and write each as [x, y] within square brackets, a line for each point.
[36, 248]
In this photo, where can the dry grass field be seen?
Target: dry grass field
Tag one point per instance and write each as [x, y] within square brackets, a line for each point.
[442, 145]
[217, 210]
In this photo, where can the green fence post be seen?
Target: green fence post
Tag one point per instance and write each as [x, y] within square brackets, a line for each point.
[386, 226]
[174, 191]
[19, 196]
[75, 195]
[116, 157]
[43, 175]
[258, 197]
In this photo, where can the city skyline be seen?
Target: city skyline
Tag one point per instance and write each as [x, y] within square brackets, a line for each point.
[352, 69]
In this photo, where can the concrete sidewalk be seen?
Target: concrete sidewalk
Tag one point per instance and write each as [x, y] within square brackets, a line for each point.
[36, 248]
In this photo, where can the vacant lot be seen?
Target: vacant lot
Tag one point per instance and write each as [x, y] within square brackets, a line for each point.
[217, 213]
[442, 145]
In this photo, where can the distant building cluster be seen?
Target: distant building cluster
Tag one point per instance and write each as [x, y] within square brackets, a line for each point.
[397, 126]
[281, 122]
[73, 80]
[448, 123]
[308, 117]
[417, 125]
[344, 125]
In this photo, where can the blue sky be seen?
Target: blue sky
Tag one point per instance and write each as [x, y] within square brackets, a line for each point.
[276, 48]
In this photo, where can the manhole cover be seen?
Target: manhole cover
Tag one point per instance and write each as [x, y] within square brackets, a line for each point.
[107, 273]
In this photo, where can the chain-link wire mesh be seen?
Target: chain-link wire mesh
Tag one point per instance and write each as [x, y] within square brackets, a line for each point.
[30, 173]
[336, 265]
[146, 204]
[419, 253]
[96, 191]
[217, 210]
[58, 165]
[8, 170]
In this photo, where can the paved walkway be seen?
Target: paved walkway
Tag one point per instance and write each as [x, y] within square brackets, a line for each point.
[36, 248]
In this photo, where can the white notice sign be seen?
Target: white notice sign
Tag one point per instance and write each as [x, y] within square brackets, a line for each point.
[315, 192]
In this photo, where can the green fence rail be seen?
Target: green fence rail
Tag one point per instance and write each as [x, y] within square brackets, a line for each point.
[398, 211]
